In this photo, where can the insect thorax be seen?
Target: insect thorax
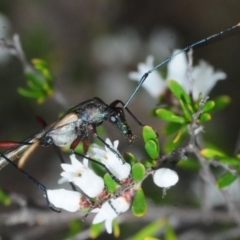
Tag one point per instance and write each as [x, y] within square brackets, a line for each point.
[93, 113]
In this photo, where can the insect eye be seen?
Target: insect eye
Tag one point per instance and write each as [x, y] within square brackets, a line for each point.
[49, 140]
[112, 119]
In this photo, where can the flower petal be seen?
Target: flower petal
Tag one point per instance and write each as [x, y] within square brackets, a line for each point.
[115, 144]
[61, 198]
[77, 165]
[67, 167]
[105, 212]
[177, 69]
[205, 78]
[108, 225]
[165, 177]
[91, 184]
[155, 84]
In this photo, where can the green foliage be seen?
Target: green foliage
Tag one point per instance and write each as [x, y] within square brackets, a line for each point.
[169, 116]
[149, 133]
[152, 149]
[40, 82]
[205, 117]
[116, 228]
[95, 230]
[179, 116]
[4, 198]
[209, 105]
[149, 230]
[221, 102]
[138, 172]
[178, 91]
[130, 158]
[171, 127]
[110, 184]
[139, 205]
[211, 153]
[226, 179]
[74, 227]
[169, 232]
[190, 164]
[175, 139]
[151, 142]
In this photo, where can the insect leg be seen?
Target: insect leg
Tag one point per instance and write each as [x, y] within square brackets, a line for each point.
[41, 186]
[113, 104]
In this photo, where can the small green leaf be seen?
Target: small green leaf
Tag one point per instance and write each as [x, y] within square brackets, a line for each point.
[151, 238]
[4, 198]
[138, 172]
[110, 184]
[31, 94]
[170, 144]
[47, 75]
[139, 205]
[178, 91]
[169, 232]
[96, 229]
[205, 117]
[39, 64]
[148, 163]
[32, 86]
[149, 133]
[211, 153]
[171, 127]
[149, 230]
[189, 164]
[186, 111]
[225, 180]
[221, 102]
[208, 106]
[129, 158]
[34, 78]
[179, 134]
[97, 168]
[74, 228]
[116, 228]
[169, 116]
[229, 160]
[152, 149]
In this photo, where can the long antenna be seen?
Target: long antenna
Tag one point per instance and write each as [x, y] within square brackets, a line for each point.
[145, 75]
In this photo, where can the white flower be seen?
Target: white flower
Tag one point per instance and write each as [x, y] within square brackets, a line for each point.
[205, 78]
[165, 177]
[82, 176]
[109, 211]
[203, 75]
[68, 200]
[119, 169]
[154, 83]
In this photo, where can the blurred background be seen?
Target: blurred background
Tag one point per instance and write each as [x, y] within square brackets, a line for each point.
[91, 46]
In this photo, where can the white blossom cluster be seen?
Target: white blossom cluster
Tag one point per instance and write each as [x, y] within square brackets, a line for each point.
[203, 75]
[81, 175]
